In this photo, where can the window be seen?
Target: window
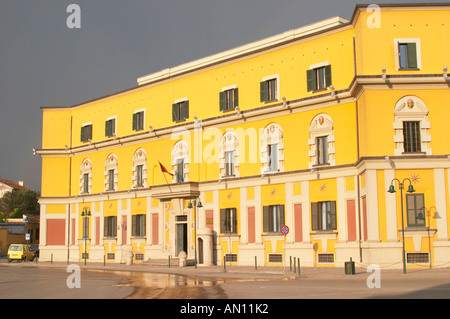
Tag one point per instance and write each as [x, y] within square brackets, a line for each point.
[272, 151]
[85, 227]
[322, 150]
[139, 169]
[228, 220]
[111, 173]
[110, 127]
[407, 54]
[139, 176]
[138, 225]
[411, 136]
[269, 90]
[415, 208]
[86, 183]
[180, 111]
[273, 218]
[323, 215]
[111, 180]
[321, 141]
[229, 163]
[138, 121]
[110, 227]
[318, 78]
[411, 127]
[228, 99]
[180, 170]
[86, 133]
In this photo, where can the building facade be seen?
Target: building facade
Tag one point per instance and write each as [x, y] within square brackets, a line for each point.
[308, 129]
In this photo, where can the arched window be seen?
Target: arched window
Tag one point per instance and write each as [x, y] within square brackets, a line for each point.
[411, 126]
[321, 141]
[180, 162]
[272, 149]
[139, 170]
[229, 155]
[86, 177]
[111, 173]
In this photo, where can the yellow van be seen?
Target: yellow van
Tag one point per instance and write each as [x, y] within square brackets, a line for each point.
[20, 252]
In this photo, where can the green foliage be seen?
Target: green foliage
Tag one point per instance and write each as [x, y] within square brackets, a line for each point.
[19, 202]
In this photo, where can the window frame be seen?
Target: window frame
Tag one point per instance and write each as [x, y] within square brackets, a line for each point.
[180, 110]
[110, 226]
[418, 59]
[313, 77]
[411, 137]
[228, 220]
[228, 98]
[415, 210]
[270, 213]
[110, 126]
[138, 222]
[322, 150]
[139, 120]
[86, 132]
[317, 222]
[270, 88]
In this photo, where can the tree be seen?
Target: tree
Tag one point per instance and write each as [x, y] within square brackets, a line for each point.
[20, 202]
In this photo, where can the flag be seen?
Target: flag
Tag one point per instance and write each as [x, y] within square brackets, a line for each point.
[163, 169]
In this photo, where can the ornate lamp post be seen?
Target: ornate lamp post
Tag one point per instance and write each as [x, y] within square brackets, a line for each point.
[199, 205]
[85, 213]
[410, 190]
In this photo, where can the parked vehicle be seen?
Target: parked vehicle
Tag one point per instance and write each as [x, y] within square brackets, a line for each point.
[20, 252]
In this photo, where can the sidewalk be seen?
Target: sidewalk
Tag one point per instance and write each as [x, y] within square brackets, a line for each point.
[243, 272]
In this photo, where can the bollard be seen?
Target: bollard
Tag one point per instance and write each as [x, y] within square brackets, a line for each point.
[290, 263]
[51, 258]
[224, 263]
[169, 261]
[256, 263]
[298, 265]
[104, 260]
[295, 269]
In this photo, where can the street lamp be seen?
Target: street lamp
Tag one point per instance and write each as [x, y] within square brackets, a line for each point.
[199, 205]
[85, 213]
[410, 190]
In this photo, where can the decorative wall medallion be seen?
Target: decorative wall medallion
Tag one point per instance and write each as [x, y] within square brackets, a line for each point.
[323, 187]
[415, 178]
[273, 192]
[229, 195]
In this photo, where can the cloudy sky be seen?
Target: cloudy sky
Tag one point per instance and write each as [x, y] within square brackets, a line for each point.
[45, 63]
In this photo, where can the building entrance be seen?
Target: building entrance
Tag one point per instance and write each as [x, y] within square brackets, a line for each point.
[181, 236]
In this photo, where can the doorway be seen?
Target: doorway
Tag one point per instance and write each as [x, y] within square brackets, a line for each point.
[181, 239]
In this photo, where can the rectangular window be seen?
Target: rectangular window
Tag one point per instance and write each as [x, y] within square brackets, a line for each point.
[407, 55]
[180, 171]
[228, 220]
[180, 111]
[273, 218]
[268, 90]
[322, 150]
[139, 175]
[229, 99]
[415, 208]
[110, 128]
[85, 227]
[111, 180]
[138, 225]
[411, 137]
[323, 215]
[229, 163]
[86, 133]
[318, 78]
[138, 121]
[86, 183]
[110, 226]
[272, 152]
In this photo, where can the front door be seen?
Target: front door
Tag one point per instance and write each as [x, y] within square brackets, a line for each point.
[181, 238]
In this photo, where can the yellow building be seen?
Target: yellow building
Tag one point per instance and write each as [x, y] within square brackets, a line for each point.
[308, 129]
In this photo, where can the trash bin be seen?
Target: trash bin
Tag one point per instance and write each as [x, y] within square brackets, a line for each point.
[182, 256]
[350, 267]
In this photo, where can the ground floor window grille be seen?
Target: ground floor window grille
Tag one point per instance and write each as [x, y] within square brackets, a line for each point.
[85, 256]
[275, 258]
[417, 258]
[325, 258]
[230, 257]
[110, 256]
[139, 257]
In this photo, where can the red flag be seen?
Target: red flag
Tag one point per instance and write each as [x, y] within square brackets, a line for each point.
[163, 169]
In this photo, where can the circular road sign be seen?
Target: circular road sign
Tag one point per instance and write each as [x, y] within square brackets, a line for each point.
[284, 230]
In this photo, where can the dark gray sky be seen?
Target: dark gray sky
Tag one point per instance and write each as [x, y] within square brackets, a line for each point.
[44, 63]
